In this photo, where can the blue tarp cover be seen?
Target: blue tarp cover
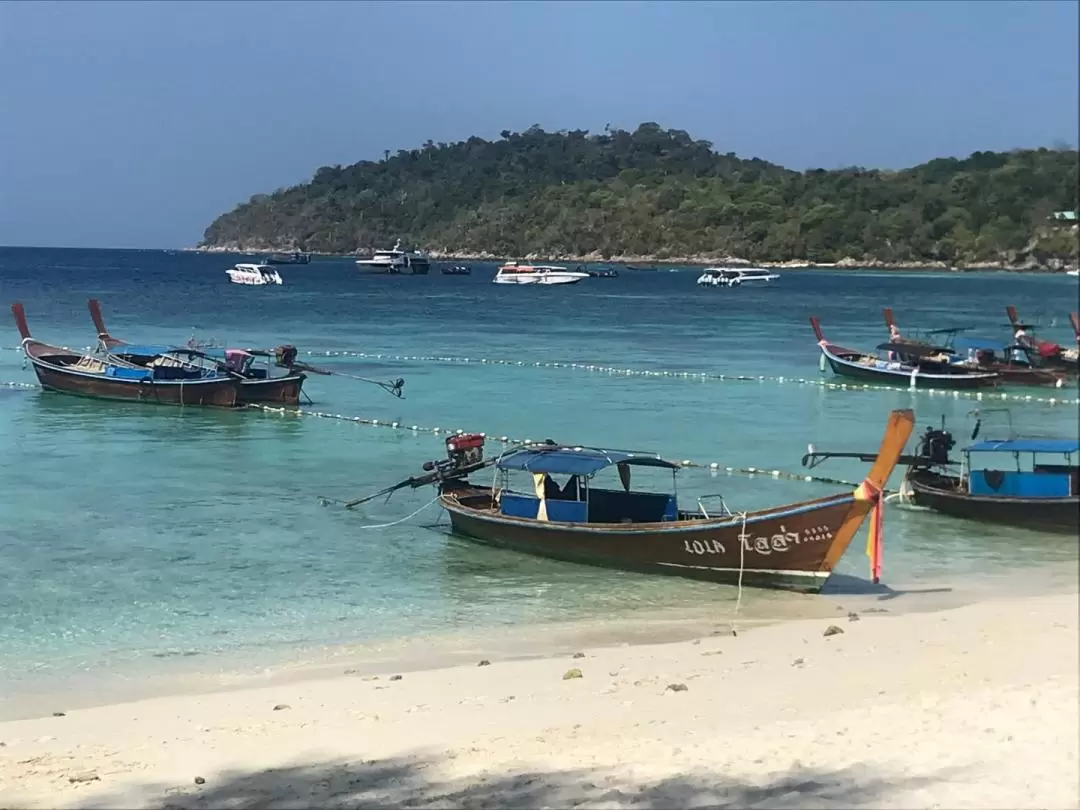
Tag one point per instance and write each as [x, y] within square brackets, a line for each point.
[577, 461]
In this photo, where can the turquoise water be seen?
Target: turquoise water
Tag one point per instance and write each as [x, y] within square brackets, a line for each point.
[138, 538]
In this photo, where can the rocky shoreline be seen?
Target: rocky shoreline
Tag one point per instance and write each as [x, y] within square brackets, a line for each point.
[698, 260]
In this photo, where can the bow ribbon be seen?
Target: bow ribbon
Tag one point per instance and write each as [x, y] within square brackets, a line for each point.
[869, 491]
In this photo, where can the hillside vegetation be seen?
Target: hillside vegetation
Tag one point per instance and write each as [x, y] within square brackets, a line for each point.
[659, 193]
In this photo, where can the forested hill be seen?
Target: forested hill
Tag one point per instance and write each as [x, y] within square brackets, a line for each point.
[658, 192]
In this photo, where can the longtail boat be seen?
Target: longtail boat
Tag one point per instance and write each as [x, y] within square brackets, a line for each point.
[1025, 489]
[1013, 365]
[794, 546]
[1050, 354]
[259, 385]
[904, 364]
[87, 375]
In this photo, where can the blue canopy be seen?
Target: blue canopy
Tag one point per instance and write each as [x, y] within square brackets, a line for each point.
[577, 460]
[1026, 446]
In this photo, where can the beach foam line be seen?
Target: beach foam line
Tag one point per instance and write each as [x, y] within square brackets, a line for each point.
[615, 371]
[713, 467]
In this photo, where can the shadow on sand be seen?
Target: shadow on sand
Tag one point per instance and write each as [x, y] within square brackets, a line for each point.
[414, 782]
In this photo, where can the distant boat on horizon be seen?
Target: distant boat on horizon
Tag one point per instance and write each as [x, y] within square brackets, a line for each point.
[288, 258]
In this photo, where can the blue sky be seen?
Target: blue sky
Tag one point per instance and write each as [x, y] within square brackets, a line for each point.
[134, 124]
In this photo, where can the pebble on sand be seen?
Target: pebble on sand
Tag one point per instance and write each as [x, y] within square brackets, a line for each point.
[571, 674]
[832, 630]
[281, 707]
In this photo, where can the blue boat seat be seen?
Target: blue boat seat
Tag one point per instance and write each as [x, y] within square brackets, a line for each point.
[130, 374]
[513, 504]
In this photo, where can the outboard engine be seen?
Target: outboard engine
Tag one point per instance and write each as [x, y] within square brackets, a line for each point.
[462, 451]
[934, 447]
[285, 356]
[465, 449]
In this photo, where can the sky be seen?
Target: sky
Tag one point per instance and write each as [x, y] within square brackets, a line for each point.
[134, 124]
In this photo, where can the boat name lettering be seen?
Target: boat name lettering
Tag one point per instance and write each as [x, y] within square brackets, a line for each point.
[778, 543]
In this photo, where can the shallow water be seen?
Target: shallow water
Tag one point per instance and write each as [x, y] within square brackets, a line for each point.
[136, 538]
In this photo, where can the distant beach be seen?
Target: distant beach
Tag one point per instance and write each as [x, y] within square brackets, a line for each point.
[634, 262]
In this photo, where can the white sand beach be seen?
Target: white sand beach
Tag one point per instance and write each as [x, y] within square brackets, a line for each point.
[974, 707]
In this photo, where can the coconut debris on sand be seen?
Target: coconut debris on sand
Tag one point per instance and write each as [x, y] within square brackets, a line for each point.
[975, 707]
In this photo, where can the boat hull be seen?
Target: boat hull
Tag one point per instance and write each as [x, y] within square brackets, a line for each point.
[786, 548]
[221, 393]
[853, 369]
[545, 281]
[275, 390]
[943, 493]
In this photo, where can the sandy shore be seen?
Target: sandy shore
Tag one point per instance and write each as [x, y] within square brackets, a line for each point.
[972, 707]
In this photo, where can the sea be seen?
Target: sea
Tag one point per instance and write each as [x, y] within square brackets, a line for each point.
[146, 549]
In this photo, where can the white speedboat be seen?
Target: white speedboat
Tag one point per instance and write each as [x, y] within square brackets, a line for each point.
[256, 275]
[1073, 272]
[735, 276]
[511, 273]
[395, 261]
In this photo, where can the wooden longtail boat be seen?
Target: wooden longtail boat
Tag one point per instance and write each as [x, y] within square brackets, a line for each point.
[914, 367]
[1049, 354]
[258, 384]
[1013, 366]
[795, 546]
[1043, 497]
[69, 372]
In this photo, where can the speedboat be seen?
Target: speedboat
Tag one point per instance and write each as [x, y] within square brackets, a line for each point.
[511, 273]
[255, 275]
[735, 276]
[395, 262]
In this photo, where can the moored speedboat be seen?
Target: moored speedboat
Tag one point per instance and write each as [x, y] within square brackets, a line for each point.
[395, 261]
[295, 257]
[792, 546]
[735, 276]
[513, 273]
[254, 275]
[68, 372]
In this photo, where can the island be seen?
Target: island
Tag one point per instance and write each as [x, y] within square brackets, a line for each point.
[658, 195]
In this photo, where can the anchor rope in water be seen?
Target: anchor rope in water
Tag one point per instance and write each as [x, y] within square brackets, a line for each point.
[408, 517]
[714, 468]
[693, 375]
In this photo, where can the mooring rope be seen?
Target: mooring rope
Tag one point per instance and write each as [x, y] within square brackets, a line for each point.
[714, 468]
[694, 375]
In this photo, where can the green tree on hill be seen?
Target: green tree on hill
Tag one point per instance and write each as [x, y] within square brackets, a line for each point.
[658, 192]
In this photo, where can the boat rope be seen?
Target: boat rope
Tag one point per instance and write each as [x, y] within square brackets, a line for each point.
[405, 519]
[743, 538]
[696, 375]
[714, 468]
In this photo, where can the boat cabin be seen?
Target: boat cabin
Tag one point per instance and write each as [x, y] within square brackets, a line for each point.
[1039, 468]
[578, 499]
